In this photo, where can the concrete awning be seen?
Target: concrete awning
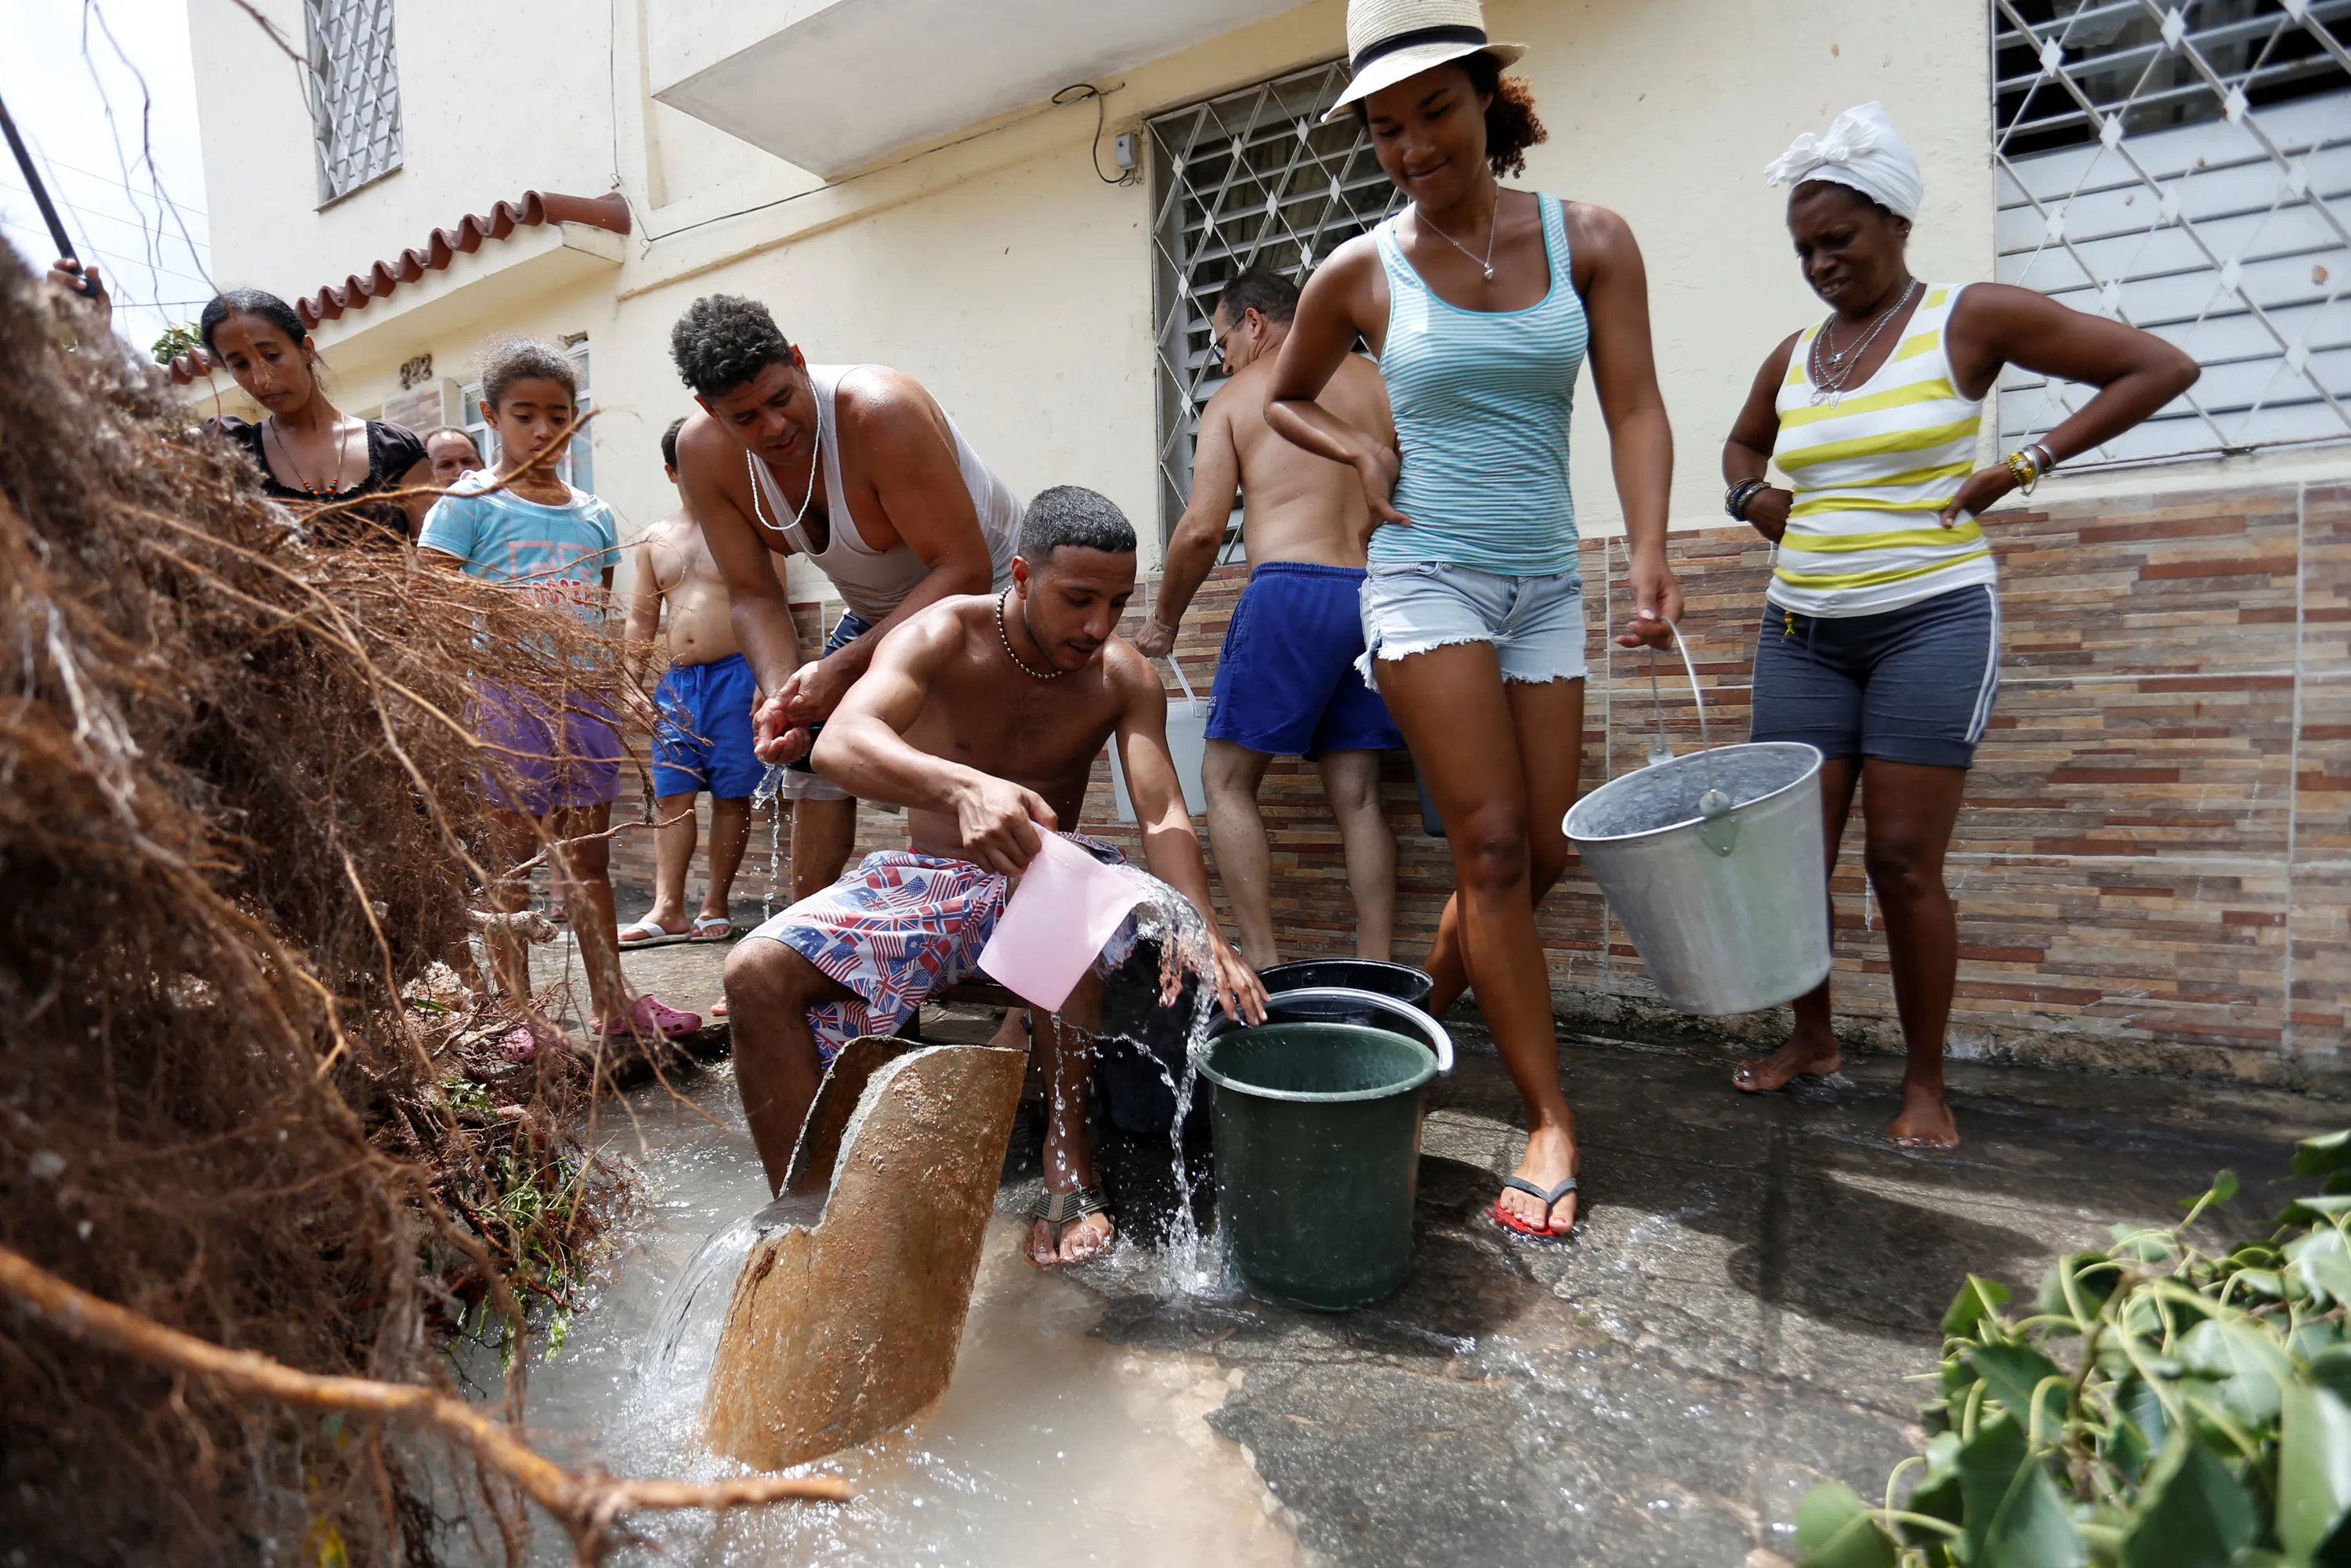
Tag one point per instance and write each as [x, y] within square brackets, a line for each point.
[831, 85]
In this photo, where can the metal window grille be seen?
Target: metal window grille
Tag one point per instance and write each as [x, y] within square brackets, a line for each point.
[1252, 177]
[577, 466]
[354, 93]
[2185, 168]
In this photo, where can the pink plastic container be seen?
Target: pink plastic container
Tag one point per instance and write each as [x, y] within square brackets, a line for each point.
[1062, 914]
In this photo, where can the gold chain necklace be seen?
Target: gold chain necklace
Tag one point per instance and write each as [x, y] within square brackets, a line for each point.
[1006, 638]
[1493, 227]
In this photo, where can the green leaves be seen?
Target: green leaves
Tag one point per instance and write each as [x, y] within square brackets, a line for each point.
[2192, 1513]
[1835, 1529]
[2322, 1156]
[2313, 1473]
[2160, 1405]
[1980, 1298]
[2320, 1263]
[2012, 1372]
[2244, 1369]
[2015, 1517]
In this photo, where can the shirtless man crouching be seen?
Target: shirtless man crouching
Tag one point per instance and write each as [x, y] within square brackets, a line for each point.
[1286, 682]
[982, 715]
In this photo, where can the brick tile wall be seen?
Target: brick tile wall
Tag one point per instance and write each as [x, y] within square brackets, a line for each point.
[2155, 861]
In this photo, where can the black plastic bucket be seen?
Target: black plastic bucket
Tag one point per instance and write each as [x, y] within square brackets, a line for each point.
[1401, 981]
[1318, 1153]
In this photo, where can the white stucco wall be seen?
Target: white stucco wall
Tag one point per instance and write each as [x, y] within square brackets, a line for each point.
[1004, 274]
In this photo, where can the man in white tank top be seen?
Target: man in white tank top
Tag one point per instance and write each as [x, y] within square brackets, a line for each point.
[860, 470]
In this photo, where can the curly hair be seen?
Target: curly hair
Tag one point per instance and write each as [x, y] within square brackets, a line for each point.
[519, 359]
[1511, 124]
[724, 342]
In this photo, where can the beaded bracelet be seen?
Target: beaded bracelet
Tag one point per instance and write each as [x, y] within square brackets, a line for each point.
[1735, 499]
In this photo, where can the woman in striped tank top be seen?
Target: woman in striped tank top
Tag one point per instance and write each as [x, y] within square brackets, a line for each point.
[1481, 304]
[1880, 642]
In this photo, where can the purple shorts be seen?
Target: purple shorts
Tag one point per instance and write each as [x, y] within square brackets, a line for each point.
[539, 762]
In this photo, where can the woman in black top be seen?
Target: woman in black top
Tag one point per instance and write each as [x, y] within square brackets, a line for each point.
[309, 452]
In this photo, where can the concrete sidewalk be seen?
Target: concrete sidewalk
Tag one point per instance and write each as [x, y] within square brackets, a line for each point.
[1756, 1280]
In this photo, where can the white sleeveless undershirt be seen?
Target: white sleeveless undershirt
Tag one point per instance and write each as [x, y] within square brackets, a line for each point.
[874, 582]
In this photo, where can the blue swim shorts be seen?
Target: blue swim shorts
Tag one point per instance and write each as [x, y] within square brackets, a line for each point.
[847, 630]
[1535, 624]
[1911, 684]
[703, 740]
[1286, 682]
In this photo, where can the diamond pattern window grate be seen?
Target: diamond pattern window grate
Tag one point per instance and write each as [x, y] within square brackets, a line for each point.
[354, 93]
[1250, 177]
[2185, 168]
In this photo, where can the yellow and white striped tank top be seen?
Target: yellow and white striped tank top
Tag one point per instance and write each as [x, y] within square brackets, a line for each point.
[1870, 472]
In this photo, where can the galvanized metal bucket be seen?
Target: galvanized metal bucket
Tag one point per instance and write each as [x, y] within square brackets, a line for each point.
[1715, 864]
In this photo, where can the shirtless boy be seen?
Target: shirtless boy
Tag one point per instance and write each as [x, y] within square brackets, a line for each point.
[853, 466]
[1286, 682]
[701, 728]
[983, 717]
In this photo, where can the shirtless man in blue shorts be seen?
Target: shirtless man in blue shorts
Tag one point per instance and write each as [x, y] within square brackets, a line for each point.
[1286, 682]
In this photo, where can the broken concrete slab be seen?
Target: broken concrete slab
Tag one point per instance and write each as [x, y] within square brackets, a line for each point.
[845, 1319]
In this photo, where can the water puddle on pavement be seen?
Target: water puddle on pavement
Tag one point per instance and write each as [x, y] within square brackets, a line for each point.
[1050, 1446]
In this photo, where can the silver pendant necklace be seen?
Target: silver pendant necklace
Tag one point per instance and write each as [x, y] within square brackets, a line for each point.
[1493, 227]
[1006, 638]
[1831, 371]
[816, 455]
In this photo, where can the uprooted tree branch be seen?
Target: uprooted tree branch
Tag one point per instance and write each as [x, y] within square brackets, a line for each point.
[587, 1505]
[242, 817]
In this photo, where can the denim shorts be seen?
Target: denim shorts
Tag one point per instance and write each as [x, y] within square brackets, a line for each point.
[1910, 685]
[1535, 624]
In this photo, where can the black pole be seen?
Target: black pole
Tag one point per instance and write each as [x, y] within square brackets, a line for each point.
[40, 194]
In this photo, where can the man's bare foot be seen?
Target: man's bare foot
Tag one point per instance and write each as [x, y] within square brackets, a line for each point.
[1550, 1159]
[1800, 1058]
[1086, 1236]
[1924, 1121]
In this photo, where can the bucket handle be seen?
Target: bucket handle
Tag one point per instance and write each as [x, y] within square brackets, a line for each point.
[1719, 830]
[1189, 695]
[1437, 1032]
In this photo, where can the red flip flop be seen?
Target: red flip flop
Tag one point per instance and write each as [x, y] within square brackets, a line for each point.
[1512, 1225]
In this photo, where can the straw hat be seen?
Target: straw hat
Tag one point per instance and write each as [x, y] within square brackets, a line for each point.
[1389, 40]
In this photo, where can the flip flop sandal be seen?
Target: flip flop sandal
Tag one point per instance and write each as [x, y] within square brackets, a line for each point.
[717, 1010]
[1513, 1226]
[1062, 1210]
[647, 934]
[711, 928]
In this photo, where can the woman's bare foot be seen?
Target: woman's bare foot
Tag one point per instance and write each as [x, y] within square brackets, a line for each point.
[1925, 1121]
[1089, 1237]
[1551, 1158]
[1802, 1057]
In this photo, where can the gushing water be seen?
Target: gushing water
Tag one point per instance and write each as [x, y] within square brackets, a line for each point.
[1053, 1445]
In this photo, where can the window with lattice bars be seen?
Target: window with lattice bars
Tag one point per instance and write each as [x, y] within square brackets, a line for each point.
[1252, 177]
[354, 93]
[2185, 168]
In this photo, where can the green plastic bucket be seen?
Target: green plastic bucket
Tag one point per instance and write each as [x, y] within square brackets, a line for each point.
[1318, 1152]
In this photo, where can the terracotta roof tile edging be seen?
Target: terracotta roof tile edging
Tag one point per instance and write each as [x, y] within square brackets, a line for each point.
[608, 212]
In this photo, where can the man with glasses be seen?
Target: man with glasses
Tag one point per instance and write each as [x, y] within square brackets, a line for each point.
[1287, 682]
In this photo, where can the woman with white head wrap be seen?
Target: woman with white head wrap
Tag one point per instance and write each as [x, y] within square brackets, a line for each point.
[1880, 642]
